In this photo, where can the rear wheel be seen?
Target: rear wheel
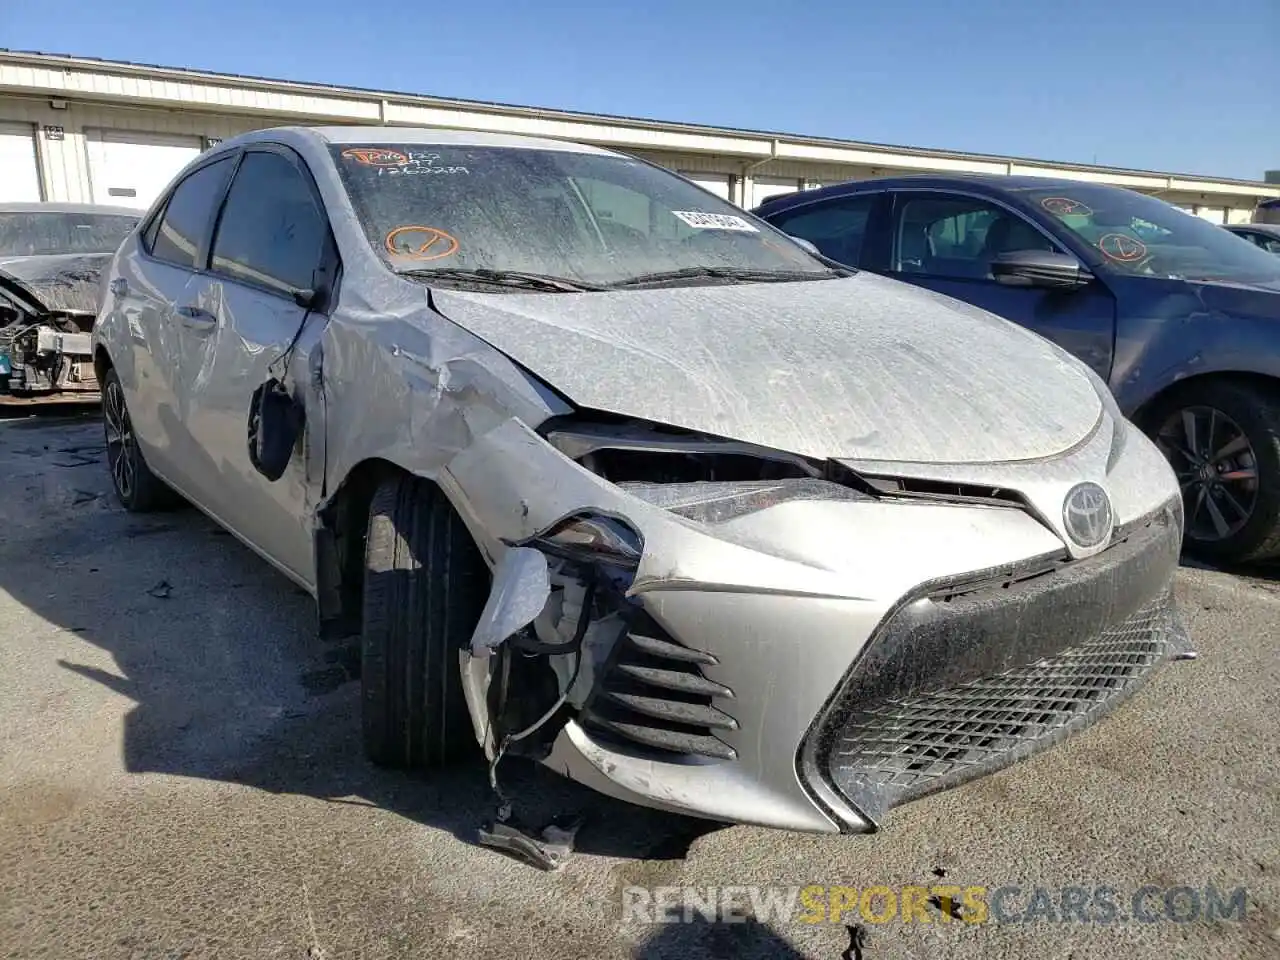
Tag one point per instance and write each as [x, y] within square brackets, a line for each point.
[137, 488]
[425, 585]
[1222, 439]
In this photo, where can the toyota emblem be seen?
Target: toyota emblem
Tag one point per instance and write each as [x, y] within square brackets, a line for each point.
[1086, 513]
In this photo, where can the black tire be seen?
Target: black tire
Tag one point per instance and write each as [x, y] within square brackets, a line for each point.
[136, 487]
[425, 585]
[1255, 410]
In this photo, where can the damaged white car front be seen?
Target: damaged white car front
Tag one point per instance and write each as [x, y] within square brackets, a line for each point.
[51, 261]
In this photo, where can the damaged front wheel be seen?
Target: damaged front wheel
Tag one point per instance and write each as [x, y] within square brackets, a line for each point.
[425, 584]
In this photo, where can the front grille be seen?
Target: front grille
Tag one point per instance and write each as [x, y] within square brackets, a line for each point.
[973, 673]
[902, 749]
[654, 695]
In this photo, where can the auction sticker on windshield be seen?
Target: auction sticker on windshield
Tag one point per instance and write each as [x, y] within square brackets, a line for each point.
[714, 221]
[421, 243]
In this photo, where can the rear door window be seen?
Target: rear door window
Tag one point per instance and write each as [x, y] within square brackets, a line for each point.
[272, 232]
[836, 227]
[181, 226]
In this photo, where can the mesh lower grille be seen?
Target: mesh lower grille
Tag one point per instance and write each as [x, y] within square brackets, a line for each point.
[900, 749]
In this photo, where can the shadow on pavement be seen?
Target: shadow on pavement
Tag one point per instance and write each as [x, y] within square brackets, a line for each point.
[1266, 571]
[740, 939]
[220, 656]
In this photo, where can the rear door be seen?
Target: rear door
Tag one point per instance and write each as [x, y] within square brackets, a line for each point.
[272, 242]
[945, 241]
[153, 271]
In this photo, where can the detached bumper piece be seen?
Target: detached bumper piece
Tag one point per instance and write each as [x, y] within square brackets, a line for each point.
[955, 685]
[653, 695]
[547, 849]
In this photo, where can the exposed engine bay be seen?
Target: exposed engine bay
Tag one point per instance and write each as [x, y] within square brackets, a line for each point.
[44, 354]
[46, 321]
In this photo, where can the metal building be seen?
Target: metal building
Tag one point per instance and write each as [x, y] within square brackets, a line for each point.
[80, 129]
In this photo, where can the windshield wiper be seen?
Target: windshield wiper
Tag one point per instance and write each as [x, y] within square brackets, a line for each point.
[730, 274]
[505, 278]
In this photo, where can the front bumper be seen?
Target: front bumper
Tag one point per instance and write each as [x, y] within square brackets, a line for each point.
[963, 678]
[787, 668]
[956, 682]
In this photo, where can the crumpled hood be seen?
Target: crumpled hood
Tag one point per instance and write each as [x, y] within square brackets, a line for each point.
[857, 368]
[57, 282]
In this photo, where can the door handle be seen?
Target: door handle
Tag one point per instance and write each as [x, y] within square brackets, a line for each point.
[197, 316]
[120, 286]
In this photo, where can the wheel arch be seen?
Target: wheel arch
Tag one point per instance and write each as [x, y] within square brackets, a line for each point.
[101, 362]
[1151, 406]
[342, 526]
[1253, 400]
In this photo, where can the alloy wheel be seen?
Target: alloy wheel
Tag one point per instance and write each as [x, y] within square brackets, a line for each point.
[1217, 470]
[120, 441]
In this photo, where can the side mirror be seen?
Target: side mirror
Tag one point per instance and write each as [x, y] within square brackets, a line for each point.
[1039, 268]
[807, 245]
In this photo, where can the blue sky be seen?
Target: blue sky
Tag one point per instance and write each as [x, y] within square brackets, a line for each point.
[1182, 85]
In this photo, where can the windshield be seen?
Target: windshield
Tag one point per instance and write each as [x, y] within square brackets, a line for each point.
[1139, 235]
[594, 219]
[38, 234]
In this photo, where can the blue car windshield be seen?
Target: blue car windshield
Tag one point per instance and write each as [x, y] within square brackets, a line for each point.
[588, 217]
[1141, 236]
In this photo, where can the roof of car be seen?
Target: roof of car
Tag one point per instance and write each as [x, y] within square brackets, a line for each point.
[433, 136]
[55, 207]
[1270, 229]
[993, 182]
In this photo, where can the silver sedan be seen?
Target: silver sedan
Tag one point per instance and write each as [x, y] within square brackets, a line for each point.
[609, 474]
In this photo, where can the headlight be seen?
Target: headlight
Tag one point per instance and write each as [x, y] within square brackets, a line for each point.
[593, 538]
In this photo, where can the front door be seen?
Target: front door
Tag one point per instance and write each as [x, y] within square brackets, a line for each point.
[946, 242]
[271, 244]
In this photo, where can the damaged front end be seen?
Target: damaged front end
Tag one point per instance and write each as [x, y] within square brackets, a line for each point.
[45, 349]
[565, 633]
[556, 611]
[675, 618]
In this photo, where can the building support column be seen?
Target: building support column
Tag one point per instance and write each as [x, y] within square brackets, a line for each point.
[747, 179]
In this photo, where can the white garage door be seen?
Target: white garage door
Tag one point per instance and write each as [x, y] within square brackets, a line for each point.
[130, 169]
[762, 190]
[19, 175]
[715, 182]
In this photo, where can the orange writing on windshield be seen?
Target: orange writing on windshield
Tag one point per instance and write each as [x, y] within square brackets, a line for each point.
[421, 243]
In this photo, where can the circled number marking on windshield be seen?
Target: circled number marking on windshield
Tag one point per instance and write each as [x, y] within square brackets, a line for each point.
[1121, 248]
[1065, 206]
[375, 157]
[421, 243]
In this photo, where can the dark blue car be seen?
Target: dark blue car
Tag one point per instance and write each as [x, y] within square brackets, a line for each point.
[1179, 316]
